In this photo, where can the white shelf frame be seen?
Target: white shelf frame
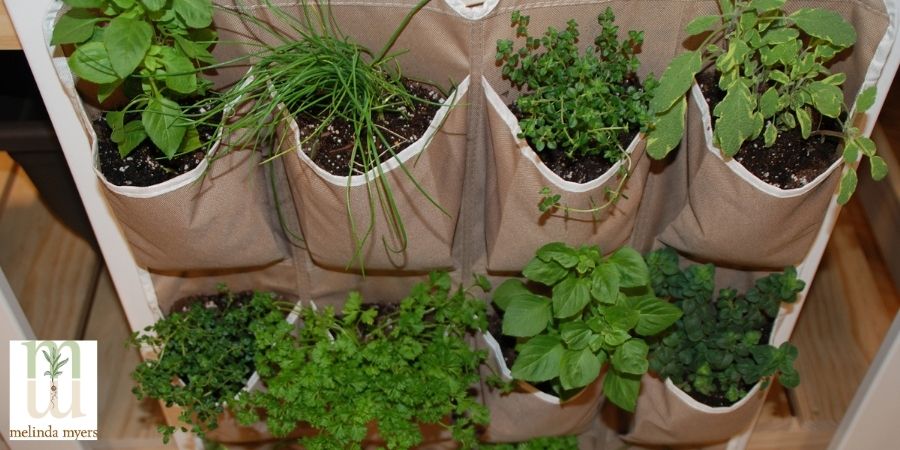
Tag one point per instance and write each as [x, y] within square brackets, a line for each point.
[133, 284]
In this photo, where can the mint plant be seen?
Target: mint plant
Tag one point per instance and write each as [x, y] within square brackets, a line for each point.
[580, 103]
[772, 66]
[152, 49]
[718, 350]
[397, 366]
[210, 348]
[600, 310]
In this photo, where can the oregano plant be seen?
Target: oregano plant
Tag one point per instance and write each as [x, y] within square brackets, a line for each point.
[772, 66]
[150, 49]
[581, 103]
[719, 349]
[600, 311]
[393, 365]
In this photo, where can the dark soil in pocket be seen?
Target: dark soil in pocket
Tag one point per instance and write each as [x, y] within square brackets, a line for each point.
[220, 302]
[791, 162]
[146, 165]
[333, 149]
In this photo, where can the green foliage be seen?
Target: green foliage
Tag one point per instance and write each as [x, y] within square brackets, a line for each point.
[718, 348]
[341, 372]
[562, 87]
[579, 103]
[210, 349]
[541, 443]
[772, 66]
[315, 70]
[153, 47]
[599, 311]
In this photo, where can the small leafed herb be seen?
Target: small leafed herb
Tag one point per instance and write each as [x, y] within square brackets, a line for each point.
[205, 356]
[772, 66]
[398, 367]
[718, 348]
[580, 103]
[598, 312]
[150, 48]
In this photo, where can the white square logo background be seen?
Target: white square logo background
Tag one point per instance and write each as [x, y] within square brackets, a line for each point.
[30, 398]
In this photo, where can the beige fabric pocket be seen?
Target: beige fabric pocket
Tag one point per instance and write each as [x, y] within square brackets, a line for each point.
[436, 162]
[529, 413]
[217, 216]
[734, 218]
[516, 228]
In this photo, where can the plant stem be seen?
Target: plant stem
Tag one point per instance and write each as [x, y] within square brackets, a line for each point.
[390, 43]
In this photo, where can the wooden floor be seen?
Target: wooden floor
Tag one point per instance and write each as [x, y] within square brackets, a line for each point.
[66, 293]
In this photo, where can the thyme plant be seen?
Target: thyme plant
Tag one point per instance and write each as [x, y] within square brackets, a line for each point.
[210, 349]
[773, 67]
[581, 103]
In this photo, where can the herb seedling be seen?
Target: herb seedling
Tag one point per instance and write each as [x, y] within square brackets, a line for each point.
[397, 366]
[599, 310]
[772, 67]
[579, 103]
[54, 372]
[210, 348]
[152, 50]
[718, 348]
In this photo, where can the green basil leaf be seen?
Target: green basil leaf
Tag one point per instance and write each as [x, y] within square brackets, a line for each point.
[507, 291]
[548, 273]
[74, 27]
[768, 103]
[559, 252]
[803, 118]
[576, 335]
[570, 296]
[621, 317]
[85, 3]
[631, 266]
[91, 62]
[736, 119]
[129, 137]
[605, 283]
[164, 123]
[195, 13]
[579, 368]
[194, 50]
[538, 359]
[655, 315]
[127, 41]
[526, 316]
[181, 76]
[154, 5]
[631, 357]
[622, 389]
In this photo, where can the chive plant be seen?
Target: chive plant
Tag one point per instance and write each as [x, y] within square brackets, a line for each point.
[315, 70]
